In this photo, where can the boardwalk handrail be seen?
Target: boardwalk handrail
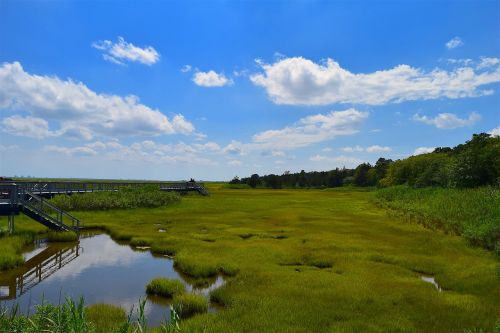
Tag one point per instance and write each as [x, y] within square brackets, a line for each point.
[41, 206]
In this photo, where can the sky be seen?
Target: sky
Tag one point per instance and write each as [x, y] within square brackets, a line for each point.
[216, 89]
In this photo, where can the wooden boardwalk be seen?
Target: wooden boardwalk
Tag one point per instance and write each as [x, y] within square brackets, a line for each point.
[29, 198]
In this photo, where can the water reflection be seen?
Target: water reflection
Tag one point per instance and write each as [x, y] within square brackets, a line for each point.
[96, 268]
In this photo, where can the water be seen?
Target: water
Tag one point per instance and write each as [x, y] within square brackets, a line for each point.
[432, 280]
[97, 268]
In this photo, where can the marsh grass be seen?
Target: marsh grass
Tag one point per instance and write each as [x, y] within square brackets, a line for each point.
[373, 285]
[472, 213]
[123, 199]
[105, 317]
[62, 236]
[11, 247]
[165, 287]
[188, 305]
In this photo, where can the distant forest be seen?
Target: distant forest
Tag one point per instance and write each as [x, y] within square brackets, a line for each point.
[472, 164]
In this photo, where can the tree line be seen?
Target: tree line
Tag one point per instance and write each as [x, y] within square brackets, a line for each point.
[471, 164]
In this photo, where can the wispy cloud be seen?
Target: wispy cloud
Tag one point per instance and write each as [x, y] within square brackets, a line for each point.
[77, 110]
[454, 43]
[448, 120]
[300, 81]
[123, 51]
[370, 149]
[186, 68]
[211, 79]
[312, 129]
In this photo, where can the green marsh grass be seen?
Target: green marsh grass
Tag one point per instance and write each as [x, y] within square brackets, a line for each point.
[373, 285]
[62, 236]
[188, 305]
[473, 213]
[105, 317]
[165, 287]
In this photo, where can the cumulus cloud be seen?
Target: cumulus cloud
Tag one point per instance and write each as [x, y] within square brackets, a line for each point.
[448, 120]
[300, 81]
[26, 126]
[454, 43]
[312, 129]
[488, 62]
[147, 150]
[71, 151]
[79, 111]
[211, 79]
[423, 150]
[495, 131]
[122, 51]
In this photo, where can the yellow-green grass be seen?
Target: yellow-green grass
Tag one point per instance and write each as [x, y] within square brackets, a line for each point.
[188, 305]
[165, 287]
[62, 236]
[105, 317]
[315, 261]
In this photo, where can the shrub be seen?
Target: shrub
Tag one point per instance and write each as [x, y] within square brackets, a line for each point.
[187, 305]
[165, 287]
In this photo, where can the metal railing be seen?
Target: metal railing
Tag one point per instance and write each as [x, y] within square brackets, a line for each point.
[52, 213]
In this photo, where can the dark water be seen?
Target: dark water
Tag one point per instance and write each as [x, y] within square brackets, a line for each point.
[97, 268]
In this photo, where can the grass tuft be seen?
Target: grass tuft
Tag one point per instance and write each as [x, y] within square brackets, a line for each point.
[105, 317]
[165, 287]
[188, 305]
[62, 236]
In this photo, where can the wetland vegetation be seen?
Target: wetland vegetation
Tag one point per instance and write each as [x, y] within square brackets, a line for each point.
[338, 259]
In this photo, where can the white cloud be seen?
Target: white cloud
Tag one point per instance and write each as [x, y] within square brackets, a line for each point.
[488, 62]
[186, 68]
[211, 79]
[423, 150]
[26, 126]
[147, 151]
[123, 51]
[352, 149]
[312, 129]
[378, 149]
[454, 43]
[79, 111]
[370, 149]
[299, 81]
[448, 120]
[495, 131]
[337, 160]
[234, 163]
[462, 62]
[327, 149]
[71, 151]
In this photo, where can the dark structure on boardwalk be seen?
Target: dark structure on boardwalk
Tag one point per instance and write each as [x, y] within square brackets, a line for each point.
[29, 198]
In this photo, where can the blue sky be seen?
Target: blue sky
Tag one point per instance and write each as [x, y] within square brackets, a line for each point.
[214, 89]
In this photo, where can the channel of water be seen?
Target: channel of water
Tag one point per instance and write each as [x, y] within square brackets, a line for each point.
[97, 268]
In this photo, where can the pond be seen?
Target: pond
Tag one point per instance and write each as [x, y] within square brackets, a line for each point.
[97, 268]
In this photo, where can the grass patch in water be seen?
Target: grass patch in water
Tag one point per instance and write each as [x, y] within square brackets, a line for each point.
[105, 317]
[188, 305]
[136, 241]
[165, 287]
[62, 236]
